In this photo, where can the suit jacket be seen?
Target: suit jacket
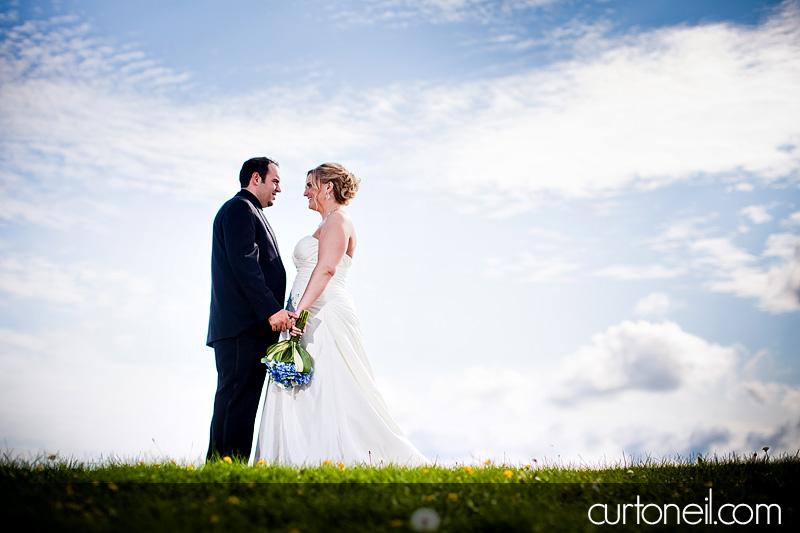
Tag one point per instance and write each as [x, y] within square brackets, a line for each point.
[248, 280]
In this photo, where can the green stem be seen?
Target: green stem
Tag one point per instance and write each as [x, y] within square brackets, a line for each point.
[302, 319]
[300, 324]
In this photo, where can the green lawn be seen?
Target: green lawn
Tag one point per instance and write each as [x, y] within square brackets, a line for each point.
[52, 494]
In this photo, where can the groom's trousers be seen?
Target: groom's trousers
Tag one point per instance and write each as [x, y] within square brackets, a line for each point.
[240, 378]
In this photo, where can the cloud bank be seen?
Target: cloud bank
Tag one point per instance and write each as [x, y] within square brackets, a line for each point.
[643, 110]
[642, 388]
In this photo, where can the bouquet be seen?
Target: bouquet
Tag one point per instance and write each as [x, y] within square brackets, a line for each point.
[288, 363]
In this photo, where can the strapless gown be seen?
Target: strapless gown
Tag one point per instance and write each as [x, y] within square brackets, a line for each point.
[340, 416]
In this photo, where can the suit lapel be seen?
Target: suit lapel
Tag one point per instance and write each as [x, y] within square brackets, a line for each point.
[254, 202]
[269, 230]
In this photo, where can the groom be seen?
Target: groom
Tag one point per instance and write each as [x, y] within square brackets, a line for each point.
[248, 284]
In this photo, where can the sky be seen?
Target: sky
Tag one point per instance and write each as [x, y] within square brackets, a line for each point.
[578, 222]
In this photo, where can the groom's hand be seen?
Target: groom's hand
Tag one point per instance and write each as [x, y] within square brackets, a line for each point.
[282, 320]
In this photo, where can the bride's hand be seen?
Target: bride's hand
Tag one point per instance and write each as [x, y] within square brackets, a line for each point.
[294, 331]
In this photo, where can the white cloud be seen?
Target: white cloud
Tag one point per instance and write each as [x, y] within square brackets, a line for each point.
[781, 245]
[676, 234]
[404, 12]
[619, 118]
[775, 286]
[771, 278]
[77, 286]
[721, 253]
[657, 303]
[636, 273]
[744, 187]
[76, 112]
[758, 214]
[793, 220]
[59, 385]
[601, 401]
[576, 35]
[533, 268]
[645, 356]
[765, 392]
[644, 110]
[15, 340]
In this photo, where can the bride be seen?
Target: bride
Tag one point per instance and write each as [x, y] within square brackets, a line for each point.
[339, 416]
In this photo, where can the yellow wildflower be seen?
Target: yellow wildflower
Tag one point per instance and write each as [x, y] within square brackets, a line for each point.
[227, 459]
[261, 462]
[468, 470]
[453, 497]
[233, 500]
[326, 462]
[508, 473]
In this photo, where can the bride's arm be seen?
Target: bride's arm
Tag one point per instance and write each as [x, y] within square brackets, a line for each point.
[333, 241]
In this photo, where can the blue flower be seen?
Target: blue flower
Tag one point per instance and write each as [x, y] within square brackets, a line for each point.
[285, 375]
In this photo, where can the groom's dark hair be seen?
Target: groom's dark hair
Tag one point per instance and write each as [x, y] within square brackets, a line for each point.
[257, 164]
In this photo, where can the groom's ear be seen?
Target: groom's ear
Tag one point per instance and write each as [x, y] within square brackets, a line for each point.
[255, 176]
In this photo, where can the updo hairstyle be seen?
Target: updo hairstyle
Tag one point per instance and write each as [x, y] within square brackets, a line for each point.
[345, 183]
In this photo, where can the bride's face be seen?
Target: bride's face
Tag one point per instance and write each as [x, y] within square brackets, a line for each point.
[312, 193]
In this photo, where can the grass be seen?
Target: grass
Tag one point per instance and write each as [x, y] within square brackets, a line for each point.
[54, 494]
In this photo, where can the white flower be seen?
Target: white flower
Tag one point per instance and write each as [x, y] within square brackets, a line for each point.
[425, 519]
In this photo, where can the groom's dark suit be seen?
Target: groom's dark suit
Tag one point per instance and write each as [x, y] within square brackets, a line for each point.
[248, 284]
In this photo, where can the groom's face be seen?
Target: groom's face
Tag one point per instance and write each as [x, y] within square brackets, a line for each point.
[267, 189]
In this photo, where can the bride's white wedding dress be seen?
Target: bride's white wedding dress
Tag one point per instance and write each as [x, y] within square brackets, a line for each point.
[339, 416]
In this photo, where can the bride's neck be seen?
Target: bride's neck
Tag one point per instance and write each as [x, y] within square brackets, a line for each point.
[327, 210]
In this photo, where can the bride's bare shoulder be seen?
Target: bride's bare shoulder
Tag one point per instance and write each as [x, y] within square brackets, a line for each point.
[340, 219]
[340, 224]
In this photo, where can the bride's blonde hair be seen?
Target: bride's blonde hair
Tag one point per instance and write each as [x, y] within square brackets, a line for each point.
[345, 183]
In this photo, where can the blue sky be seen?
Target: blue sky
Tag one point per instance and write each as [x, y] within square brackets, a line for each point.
[579, 222]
